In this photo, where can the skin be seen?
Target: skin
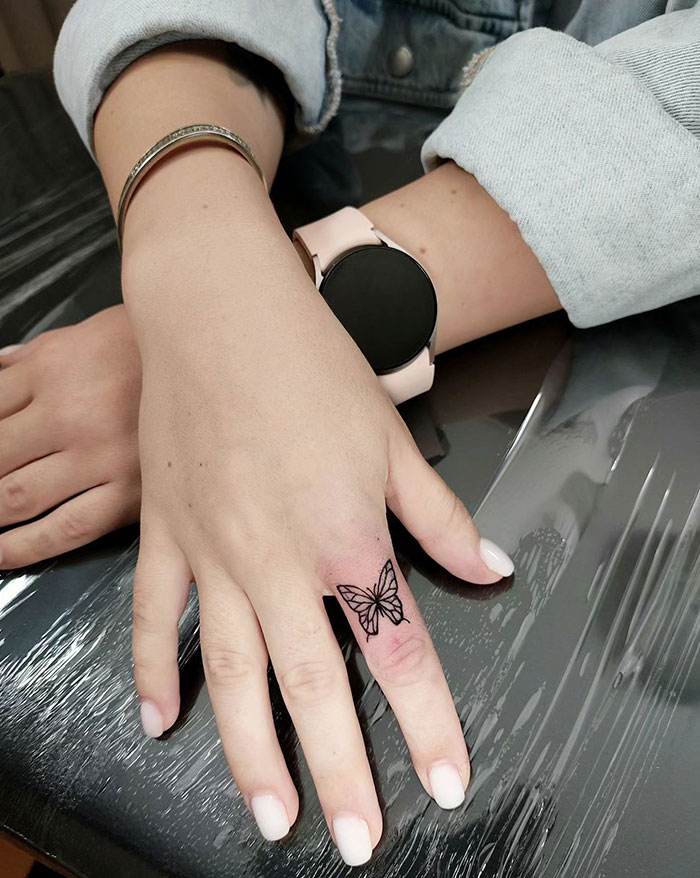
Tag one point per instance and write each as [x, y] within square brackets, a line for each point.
[252, 483]
[68, 419]
[85, 381]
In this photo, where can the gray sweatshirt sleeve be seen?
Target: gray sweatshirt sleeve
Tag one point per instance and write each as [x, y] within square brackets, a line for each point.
[100, 38]
[594, 151]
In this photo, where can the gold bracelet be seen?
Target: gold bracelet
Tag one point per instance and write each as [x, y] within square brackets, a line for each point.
[211, 133]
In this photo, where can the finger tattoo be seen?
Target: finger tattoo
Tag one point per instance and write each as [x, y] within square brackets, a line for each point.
[372, 603]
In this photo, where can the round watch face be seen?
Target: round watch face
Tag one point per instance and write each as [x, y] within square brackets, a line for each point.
[385, 300]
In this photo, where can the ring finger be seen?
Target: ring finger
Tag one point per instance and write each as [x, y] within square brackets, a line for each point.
[314, 684]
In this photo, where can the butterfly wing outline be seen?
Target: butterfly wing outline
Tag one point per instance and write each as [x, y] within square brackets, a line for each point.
[365, 604]
[386, 591]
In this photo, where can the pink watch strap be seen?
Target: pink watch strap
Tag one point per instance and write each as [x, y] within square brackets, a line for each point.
[336, 233]
[411, 380]
[328, 238]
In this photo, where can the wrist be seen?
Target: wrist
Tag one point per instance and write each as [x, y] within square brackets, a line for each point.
[202, 257]
[485, 276]
[197, 190]
[178, 85]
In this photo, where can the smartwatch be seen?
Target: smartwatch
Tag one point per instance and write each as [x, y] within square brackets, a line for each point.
[381, 294]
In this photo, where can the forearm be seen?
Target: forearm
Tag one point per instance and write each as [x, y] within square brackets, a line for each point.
[485, 275]
[200, 221]
[178, 85]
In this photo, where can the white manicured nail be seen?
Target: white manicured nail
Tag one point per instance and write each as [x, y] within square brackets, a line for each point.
[495, 558]
[353, 839]
[446, 785]
[10, 349]
[270, 815]
[151, 719]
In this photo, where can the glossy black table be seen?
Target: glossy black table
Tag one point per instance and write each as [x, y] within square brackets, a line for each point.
[577, 683]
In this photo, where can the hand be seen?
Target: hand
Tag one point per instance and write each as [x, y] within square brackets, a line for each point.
[269, 454]
[68, 424]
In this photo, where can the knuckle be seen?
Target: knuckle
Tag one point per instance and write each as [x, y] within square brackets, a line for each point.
[143, 657]
[14, 496]
[456, 514]
[40, 545]
[228, 667]
[145, 620]
[341, 556]
[408, 662]
[43, 544]
[19, 550]
[75, 526]
[308, 683]
[448, 514]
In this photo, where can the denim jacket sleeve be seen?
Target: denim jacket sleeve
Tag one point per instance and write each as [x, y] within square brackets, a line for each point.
[594, 151]
[593, 148]
[100, 39]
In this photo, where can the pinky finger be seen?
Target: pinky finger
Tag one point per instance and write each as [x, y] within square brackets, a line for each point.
[73, 524]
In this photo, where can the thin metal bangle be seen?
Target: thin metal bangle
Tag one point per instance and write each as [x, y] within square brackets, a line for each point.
[166, 145]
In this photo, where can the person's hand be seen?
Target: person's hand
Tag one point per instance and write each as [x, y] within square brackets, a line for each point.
[269, 453]
[68, 438]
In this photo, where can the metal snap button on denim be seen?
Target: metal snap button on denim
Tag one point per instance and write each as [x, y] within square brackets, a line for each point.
[401, 62]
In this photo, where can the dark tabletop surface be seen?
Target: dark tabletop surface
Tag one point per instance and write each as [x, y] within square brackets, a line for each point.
[577, 683]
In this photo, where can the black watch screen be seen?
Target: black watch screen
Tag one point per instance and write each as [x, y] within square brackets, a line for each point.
[385, 300]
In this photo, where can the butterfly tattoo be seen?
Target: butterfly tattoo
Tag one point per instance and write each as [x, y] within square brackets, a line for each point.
[380, 600]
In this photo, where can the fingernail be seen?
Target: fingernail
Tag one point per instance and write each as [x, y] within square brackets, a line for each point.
[495, 558]
[151, 719]
[353, 840]
[10, 349]
[446, 785]
[270, 815]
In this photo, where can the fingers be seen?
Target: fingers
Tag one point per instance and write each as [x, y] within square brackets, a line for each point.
[79, 521]
[10, 354]
[401, 656]
[438, 519]
[161, 587]
[235, 663]
[23, 438]
[15, 390]
[314, 684]
[41, 485]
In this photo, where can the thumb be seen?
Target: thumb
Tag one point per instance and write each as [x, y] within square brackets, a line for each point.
[438, 519]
